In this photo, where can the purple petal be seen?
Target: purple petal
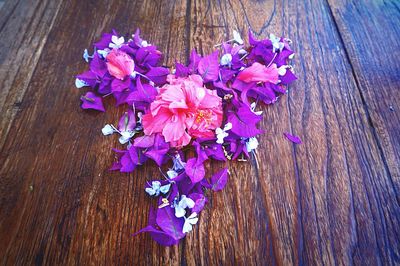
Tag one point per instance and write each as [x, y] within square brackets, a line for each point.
[292, 138]
[194, 61]
[288, 78]
[158, 75]
[201, 154]
[209, 67]
[199, 202]
[92, 101]
[169, 223]
[219, 180]
[118, 85]
[144, 141]
[195, 171]
[127, 122]
[244, 122]
[98, 66]
[181, 70]
[159, 236]
[89, 77]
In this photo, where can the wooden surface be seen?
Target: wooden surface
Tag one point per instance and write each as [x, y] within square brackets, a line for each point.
[332, 200]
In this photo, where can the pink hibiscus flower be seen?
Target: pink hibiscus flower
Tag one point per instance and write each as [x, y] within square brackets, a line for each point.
[119, 64]
[184, 109]
[258, 72]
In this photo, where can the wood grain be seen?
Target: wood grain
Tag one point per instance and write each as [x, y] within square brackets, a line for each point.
[331, 200]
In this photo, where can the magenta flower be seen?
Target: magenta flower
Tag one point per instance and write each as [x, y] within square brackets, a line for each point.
[258, 72]
[184, 109]
[119, 64]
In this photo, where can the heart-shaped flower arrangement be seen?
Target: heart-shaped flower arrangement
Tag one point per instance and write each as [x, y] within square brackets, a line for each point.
[208, 105]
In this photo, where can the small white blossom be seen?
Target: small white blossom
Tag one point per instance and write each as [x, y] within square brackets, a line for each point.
[156, 188]
[108, 130]
[116, 42]
[189, 222]
[180, 207]
[221, 133]
[172, 174]
[178, 164]
[226, 60]
[253, 108]
[86, 55]
[144, 43]
[80, 83]
[276, 43]
[251, 144]
[282, 70]
[104, 52]
[126, 136]
[237, 38]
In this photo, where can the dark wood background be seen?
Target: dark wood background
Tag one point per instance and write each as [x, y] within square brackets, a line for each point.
[332, 200]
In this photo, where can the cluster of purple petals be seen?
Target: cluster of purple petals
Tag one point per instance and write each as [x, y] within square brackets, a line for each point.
[180, 191]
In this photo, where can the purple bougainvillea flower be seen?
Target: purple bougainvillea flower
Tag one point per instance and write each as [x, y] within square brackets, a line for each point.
[201, 153]
[288, 78]
[219, 180]
[199, 201]
[181, 70]
[209, 67]
[292, 138]
[105, 40]
[159, 236]
[158, 150]
[124, 163]
[169, 223]
[158, 75]
[244, 122]
[142, 96]
[92, 101]
[195, 170]
[194, 61]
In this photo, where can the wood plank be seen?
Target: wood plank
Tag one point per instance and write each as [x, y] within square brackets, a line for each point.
[329, 200]
[372, 45]
[24, 26]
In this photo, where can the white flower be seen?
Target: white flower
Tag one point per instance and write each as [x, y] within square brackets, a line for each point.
[237, 38]
[116, 42]
[226, 60]
[182, 205]
[144, 43]
[276, 43]
[251, 144]
[253, 107]
[172, 174]
[282, 70]
[104, 52]
[126, 136]
[156, 188]
[221, 133]
[189, 222]
[86, 55]
[80, 83]
[178, 164]
[108, 130]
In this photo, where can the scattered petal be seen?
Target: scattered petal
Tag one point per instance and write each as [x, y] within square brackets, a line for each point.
[292, 138]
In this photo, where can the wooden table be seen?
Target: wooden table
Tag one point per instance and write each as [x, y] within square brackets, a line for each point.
[332, 200]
